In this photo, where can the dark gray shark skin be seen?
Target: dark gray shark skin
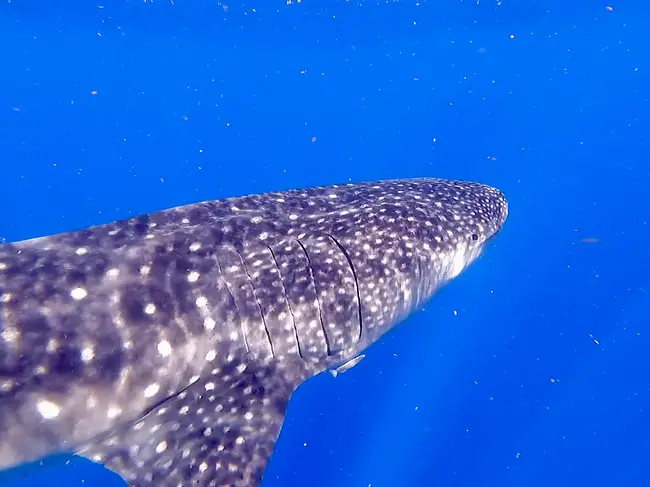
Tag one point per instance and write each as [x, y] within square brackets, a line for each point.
[166, 346]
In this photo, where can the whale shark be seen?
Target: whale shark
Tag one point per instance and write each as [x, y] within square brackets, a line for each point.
[167, 346]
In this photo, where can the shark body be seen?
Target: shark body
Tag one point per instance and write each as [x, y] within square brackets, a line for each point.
[167, 346]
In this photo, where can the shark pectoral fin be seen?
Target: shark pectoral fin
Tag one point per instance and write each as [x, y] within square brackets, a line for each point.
[202, 436]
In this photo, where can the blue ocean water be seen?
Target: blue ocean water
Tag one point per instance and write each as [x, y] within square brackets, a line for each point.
[531, 368]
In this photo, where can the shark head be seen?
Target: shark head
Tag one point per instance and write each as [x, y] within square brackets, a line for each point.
[405, 239]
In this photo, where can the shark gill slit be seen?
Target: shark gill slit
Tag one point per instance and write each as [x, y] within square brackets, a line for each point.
[234, 301]
[286, 296]
[320, 309]
[356, 282]
[169, 289]
[257, 301]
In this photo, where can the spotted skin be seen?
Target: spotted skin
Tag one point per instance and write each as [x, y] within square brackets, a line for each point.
[167, 346]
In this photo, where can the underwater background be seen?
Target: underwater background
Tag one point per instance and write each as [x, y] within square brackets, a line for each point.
[532, 368]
